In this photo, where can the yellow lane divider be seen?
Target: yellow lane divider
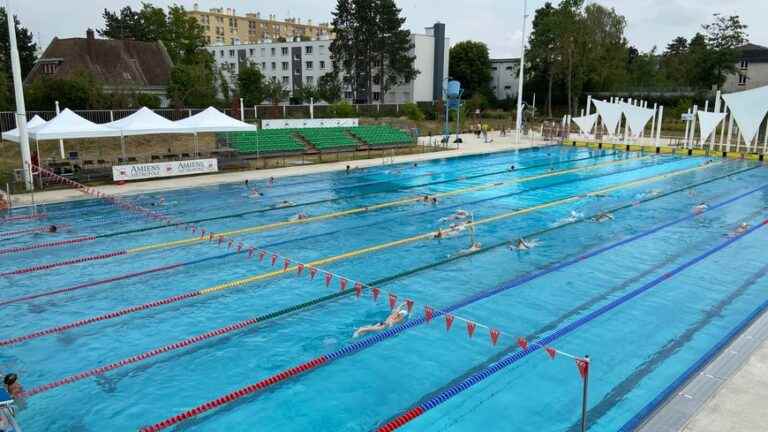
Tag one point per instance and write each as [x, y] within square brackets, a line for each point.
[275, 225]
[430, 235]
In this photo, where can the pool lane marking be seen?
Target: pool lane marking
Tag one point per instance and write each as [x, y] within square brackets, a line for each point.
[308, 203]
[534, 346]
[314, 264]
[365, 209]
[123, 252]
[449, 393]
[45, 245]
[326, 233]
[320, 300]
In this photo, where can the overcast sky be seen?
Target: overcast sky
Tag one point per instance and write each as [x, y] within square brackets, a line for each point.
[498, 23]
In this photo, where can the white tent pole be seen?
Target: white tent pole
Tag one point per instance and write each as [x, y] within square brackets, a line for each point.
[715, 109]
[653, 121]
[658, 124]
[723, 127]
[687, 126]
[589, 104]
[706, 105]
[730, 131]
[61, 141]
[765, 136]
[533, 107]
[21, 111]
[693, 125]
[242, 111]
[255, 113]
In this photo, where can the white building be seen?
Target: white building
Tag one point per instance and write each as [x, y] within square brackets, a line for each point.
[751, 69]
[298, 63]
[505, 73]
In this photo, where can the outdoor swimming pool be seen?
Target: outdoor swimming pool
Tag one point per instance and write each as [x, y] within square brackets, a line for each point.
[645, 295]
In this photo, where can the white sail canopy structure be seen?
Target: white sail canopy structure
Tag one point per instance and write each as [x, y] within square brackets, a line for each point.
[637, 118]
[13, 134]
[213, 120]
[748, 109]
[609, 113]
[708, 122]
[145, 122]
[68, 125]
[585, 123]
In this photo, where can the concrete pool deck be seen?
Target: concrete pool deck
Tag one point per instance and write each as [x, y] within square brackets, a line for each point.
[470, 146]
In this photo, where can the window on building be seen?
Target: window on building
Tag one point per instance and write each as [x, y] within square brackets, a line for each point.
[307, 50]
[347, 95]
[273, 51]
[264, 65]
[274, 65]
[232, 67]
[509, 68]
[49, 68]
[250, 52]
[322, 64]
[493, 68]
[507, 87]
[376, 96]
[231, 53]
[263, 52]
[284, 51]
[309, 79]
[742, 80]
[744, 64]
[222, 53]
[286, 65]
[308, 65]
[322, 49]
[285, 80]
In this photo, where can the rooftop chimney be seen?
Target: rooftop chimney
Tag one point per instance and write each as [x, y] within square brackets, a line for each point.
[89, 34]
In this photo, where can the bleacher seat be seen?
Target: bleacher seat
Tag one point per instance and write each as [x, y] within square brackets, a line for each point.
[266, 141]
[381, 135]
[328, 138]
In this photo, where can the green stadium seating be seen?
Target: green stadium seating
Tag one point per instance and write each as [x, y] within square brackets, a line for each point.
[266, 141]
[381, 135]
[328, 138]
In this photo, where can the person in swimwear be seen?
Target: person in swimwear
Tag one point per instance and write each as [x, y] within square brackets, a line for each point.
[300, 216]
[521, 244]
[741, 229]
[271, 181]
[476, 246]
[460, 214]
[53, 229]
[285, 203]
[511, 167]
[255, 194]
[700, 208]
[12, 386]
[603, 217]
[398, 315]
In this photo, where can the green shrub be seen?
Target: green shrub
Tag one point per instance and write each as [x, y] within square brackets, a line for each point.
[342, 109]
[412, 111]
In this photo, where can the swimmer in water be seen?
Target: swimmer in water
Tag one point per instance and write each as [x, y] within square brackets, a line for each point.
[741, 229]
[476, 246]
[255, 194]
[348, 169]
[460, 214]
[602, 217]
[271, 181]
[53, 229]
[13, 387]
[285, 203]
[521, 244]
[398, 315]
[246, 182]
[300, 216]
[700, 208]
[511, 167]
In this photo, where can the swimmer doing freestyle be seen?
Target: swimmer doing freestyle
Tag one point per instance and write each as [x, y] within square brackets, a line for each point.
[398, 315]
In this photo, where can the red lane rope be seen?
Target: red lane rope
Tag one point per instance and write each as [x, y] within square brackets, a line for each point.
[88, 284]
[141, 357]
[106, 316]
[24, 217]
[46, 245]
[42, 267]
[237, 394]
[29, 231]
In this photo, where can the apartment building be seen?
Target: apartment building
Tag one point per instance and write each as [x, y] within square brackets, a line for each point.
[751, 69]
[224, 26]
[296, 63]
[505, 77]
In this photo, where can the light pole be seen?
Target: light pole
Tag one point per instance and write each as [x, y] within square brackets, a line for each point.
[21, 112]
[519, 118]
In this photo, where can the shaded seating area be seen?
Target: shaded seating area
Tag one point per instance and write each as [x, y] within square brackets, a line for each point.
[266, 141]
[381, 135]
[328, 138]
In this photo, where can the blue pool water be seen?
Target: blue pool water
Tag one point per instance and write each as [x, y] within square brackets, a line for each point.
[637, 349]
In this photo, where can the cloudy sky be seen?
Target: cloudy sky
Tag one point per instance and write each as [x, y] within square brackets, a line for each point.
[496, 22]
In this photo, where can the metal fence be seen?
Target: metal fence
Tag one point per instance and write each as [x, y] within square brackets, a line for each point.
[250, 114]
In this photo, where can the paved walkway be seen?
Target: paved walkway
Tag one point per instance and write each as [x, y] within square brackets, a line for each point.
[470, 146]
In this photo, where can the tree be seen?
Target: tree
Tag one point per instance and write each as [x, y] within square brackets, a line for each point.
[470, 64]
[371, 47]
[275, 91]
[542, 52]
[675, 63]
[224, 88]
[305, 94]
[192, 85]
[724, 35]
[329, 88]
[181, 34]
[250, 85]
[6, 102]
[80, 91]
[26, 45]
[147, 100]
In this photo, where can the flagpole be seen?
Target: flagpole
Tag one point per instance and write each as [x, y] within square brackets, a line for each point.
[584, 394]
[519, 117]
[21, 112]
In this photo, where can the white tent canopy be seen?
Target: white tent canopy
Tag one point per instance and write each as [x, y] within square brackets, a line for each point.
[609, 113]
[213, 120]
[144, 122]
[708, 121]
[585, 123]
[637, 117]
[13, 134]
[68, 125]
[748, 109]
